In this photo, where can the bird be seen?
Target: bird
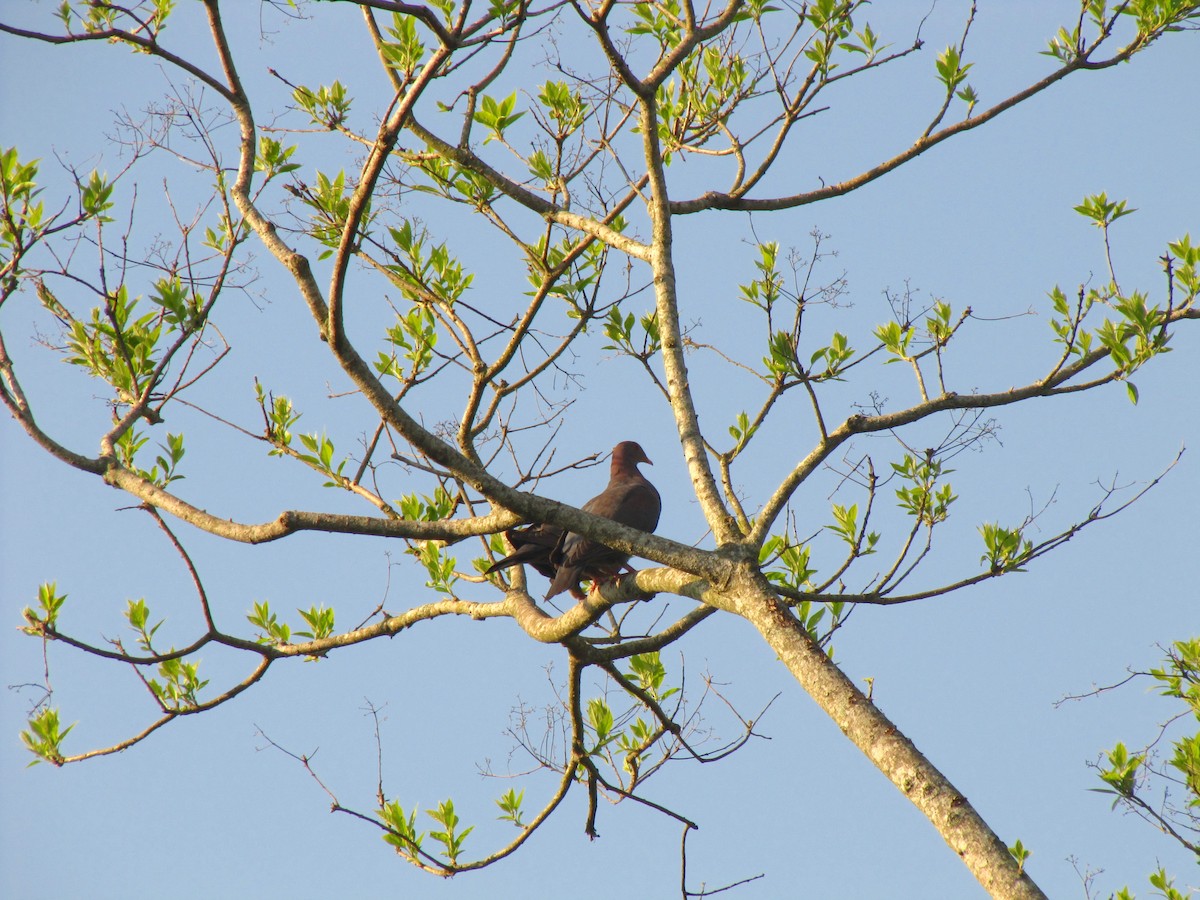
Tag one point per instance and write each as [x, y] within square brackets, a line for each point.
[532, 546]
[630, 500]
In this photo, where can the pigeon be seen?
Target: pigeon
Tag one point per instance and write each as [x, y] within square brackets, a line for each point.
[532, 546]
[630, 500]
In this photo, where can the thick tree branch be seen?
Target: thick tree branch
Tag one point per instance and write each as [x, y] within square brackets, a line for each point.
[968, 835]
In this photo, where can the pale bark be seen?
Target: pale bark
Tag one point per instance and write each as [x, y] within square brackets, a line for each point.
[980, 848]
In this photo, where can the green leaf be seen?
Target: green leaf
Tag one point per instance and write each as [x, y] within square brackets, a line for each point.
[272, 630]
[406, 50]
[44, 736]
[96, 196]
[273, 158]
[50, 603]
[600, 718]
[327, 106]
[649, 672]
[510, 807]
[1007, 549]
[1101, 211]
[950, 68]
[497, 116]
[402, 833]
[1020, 854]
[320, 622]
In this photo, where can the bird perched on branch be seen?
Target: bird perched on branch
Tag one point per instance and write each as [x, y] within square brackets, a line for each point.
[567, 558]
[630, 500]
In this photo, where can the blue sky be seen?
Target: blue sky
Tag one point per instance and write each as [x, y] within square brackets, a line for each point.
[205, 807]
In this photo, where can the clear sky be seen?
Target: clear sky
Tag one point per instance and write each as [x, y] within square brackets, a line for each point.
[206, 808]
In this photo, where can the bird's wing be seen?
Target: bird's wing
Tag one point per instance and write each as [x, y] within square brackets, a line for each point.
[532, 546]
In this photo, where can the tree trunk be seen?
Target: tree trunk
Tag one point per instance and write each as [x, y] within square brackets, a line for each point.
[892, 753]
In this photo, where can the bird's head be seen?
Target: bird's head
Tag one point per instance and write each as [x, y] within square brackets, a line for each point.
[626, 456]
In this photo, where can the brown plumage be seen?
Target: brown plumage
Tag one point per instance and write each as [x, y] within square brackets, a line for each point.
[629, 499]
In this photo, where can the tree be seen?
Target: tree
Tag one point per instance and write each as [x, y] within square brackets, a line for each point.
[637, 118]
[1128, 774]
